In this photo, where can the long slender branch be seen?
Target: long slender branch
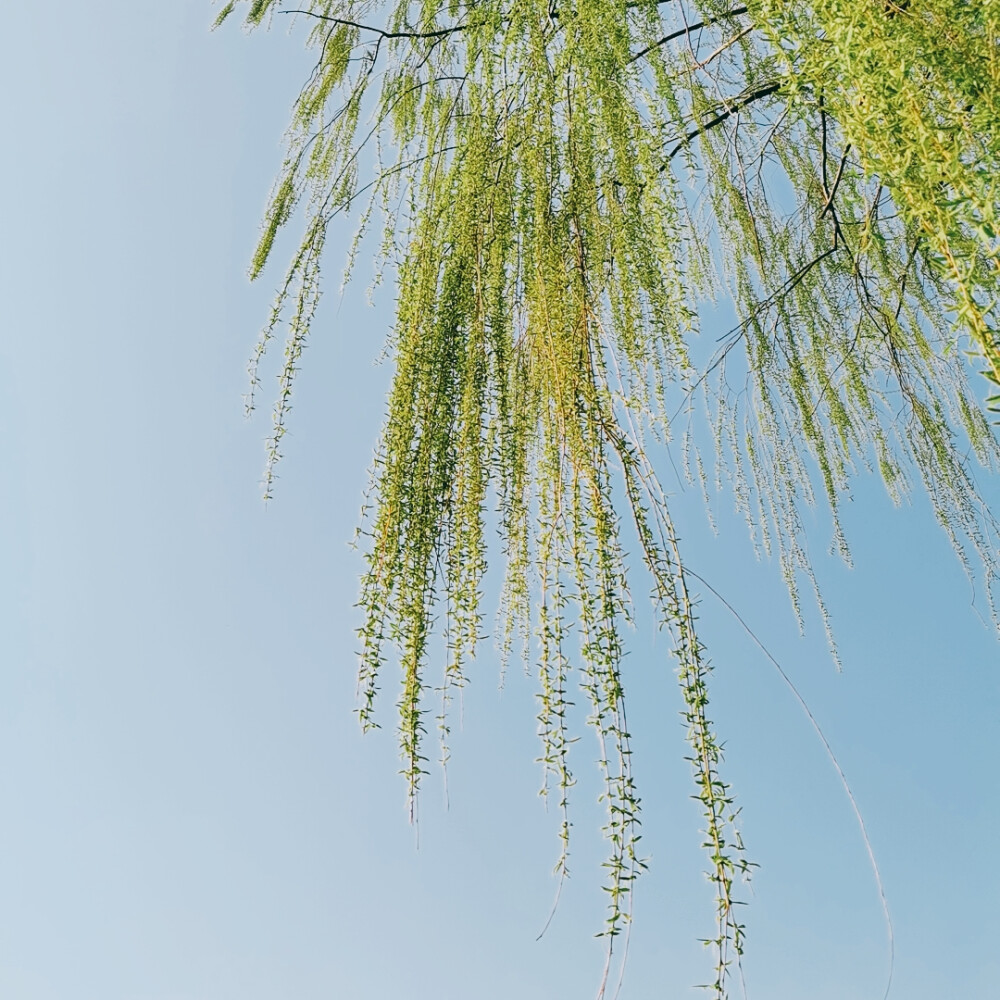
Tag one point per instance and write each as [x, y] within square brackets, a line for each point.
[737, 105]
[742, 33]
[680, 33]
[736, 334]
[381, 32]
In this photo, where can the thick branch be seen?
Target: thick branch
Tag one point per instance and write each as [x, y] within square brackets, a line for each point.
[687, 31]
[737, 105]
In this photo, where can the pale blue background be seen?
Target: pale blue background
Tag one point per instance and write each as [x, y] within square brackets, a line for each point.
[189, 811]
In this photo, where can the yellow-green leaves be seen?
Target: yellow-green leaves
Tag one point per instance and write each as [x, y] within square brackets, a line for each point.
[224, 13]
[916, 89]
[278, 212]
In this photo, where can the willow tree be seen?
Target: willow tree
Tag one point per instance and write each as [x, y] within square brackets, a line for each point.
[561, 186]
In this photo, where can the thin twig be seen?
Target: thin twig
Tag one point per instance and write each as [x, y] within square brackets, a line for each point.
[833, 760]
[725, 45]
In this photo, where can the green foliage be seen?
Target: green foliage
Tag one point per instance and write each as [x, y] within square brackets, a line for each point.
[563, 185]
[916, 89]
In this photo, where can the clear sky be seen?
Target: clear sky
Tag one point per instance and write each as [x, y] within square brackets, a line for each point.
[189, 811]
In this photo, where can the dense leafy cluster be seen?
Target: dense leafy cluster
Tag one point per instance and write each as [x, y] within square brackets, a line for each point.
[916, 88]
[563, 183]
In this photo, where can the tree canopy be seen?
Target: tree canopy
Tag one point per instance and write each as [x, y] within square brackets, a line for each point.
[562, 185]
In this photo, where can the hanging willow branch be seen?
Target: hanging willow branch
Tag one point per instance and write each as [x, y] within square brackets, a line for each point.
[562, 186]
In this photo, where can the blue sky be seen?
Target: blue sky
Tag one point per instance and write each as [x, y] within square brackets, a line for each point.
[189, 809]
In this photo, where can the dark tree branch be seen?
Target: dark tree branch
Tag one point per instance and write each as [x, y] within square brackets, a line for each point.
[828, 207]
[687, 31]
[383, 34]
[730, 110]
